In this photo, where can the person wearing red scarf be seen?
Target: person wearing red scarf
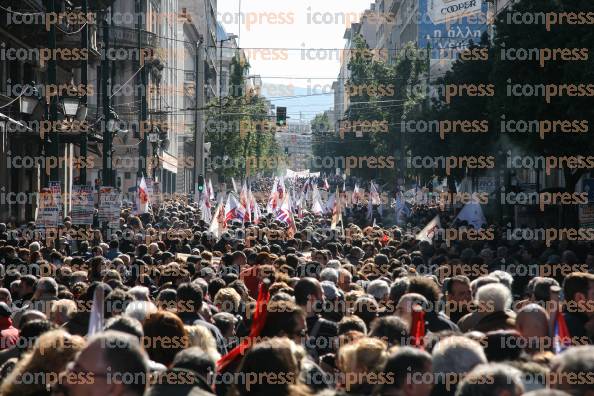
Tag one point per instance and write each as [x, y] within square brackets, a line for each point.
[8, 333]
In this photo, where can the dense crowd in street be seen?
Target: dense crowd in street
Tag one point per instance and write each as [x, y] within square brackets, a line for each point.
[161, 306]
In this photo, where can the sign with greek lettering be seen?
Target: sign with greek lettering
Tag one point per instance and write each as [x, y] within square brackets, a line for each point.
[83, 206]
[441, 11]
[446, 27]
[110, 205]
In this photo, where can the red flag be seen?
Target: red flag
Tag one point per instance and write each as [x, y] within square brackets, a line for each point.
[562, 336]
[417, 328]
[257, 325]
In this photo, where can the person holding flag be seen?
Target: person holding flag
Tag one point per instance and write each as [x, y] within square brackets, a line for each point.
[143, 199]
[336, 211]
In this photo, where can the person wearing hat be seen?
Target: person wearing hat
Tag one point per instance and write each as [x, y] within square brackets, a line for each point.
[8, 333]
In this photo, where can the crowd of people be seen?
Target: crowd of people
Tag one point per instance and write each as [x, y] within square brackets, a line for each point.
[161, 306]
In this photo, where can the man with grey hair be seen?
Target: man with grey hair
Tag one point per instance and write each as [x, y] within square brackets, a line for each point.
[453, 357]
[503, 277]
[329, 274]
[140, 293]
[493, 302]
[492, 380]
[379, 289]
[335, 264]
[573, 370]
[117, 363]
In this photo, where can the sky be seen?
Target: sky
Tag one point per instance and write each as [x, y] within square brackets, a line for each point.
[283, 39]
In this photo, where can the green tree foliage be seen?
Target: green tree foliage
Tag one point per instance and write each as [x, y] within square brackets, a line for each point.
[323, 139]
[554, 72]
[241, 131]
[381, 95]
[512, 38]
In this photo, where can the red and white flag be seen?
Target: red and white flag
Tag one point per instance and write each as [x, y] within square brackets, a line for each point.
[233, 209]
[273, 200]
[143, 198]
[285, 214]
[218, 224]
[255, 209]
[429, 231]
[316, 202]
[205, 207]
[336, 211]
[244, 200]
[210, 190]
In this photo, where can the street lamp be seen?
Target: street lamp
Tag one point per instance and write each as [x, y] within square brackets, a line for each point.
[70, 105]
[112, 121]
[29, 100]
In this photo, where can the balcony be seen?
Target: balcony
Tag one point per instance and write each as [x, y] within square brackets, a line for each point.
[94, 5]
[127, 37]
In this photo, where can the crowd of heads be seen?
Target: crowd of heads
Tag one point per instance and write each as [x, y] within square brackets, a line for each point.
[154, 306]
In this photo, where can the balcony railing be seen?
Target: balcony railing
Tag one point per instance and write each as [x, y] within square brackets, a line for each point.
[120, 36]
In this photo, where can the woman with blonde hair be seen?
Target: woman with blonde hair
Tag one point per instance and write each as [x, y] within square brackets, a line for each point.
[360, 364]
[38, 370]
[200, 336]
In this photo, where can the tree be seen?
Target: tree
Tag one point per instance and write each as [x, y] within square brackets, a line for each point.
[530, 75]
[241, 131]
[323, 138]
[381, 95]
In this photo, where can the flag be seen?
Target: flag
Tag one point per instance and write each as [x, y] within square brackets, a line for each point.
[205, 208]
[402, 209]
[233, 357]
[429, 231]
[330, 203]
[143, 199]
[355, 197]
[369, 209]
[233, 209]
[96, 316]
[210, 190]
[374, 194]
[336, 211]
[218, 221]
[245, 202]
[284, 212]
[316, 204]
[235, 189]
[417, 328]
[256, 209]
[271, 206]
[562, 337]
[473, 215]
[326, 185]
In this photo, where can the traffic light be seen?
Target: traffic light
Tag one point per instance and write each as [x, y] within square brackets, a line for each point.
[200, 183]
[281, 116]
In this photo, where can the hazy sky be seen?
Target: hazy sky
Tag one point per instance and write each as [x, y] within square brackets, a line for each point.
[271, 28]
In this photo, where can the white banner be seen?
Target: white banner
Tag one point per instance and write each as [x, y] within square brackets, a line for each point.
[441, 11]
[83, 206]
[110, 204]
